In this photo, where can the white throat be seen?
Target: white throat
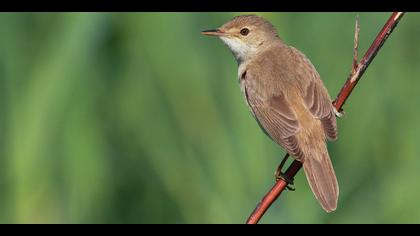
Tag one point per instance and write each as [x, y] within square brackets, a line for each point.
[240, 50]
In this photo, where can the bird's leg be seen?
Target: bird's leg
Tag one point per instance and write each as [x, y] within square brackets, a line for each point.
[278, 171]
[280, 175]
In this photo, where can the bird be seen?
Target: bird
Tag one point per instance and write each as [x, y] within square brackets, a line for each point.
[287, 98]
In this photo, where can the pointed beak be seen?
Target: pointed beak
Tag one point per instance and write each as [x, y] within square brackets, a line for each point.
[213, 32]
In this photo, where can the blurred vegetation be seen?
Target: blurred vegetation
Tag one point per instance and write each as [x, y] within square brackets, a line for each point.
[137, 118]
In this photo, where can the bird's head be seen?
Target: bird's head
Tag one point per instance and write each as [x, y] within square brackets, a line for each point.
[244, 35]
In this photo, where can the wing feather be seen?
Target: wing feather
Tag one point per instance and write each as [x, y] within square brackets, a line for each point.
[277, 120]
[316, 96]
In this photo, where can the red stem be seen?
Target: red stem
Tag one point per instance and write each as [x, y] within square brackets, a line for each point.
[273, 194]
[342, 96]
[367, 59]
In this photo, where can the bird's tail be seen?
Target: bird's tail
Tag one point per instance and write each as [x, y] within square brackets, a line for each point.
[321, 177]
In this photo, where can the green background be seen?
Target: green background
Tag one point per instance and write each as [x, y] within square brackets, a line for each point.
[137, 118]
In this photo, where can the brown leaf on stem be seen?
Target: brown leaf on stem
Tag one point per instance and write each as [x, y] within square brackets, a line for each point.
[356, 45]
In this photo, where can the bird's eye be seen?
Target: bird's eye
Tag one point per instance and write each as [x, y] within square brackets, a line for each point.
[244, 31]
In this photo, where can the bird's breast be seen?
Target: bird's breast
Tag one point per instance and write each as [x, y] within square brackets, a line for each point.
[245, 83]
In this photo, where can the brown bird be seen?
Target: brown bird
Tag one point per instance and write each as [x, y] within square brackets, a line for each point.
[287, 98]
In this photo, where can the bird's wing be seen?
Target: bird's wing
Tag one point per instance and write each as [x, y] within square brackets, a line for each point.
[275, 117]
[316, 96]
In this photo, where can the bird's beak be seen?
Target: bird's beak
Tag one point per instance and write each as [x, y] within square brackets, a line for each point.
[213, 32]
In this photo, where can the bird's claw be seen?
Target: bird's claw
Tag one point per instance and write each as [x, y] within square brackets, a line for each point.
[290, 184]
[282, 176]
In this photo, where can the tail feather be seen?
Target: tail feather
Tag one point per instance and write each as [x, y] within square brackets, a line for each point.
[322, 180]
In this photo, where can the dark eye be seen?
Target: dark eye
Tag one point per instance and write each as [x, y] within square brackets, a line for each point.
[244, 31]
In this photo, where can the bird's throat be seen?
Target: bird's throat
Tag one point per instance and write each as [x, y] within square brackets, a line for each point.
[239, 49]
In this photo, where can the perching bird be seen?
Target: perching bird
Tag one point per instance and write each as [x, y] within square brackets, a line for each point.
[287, 98]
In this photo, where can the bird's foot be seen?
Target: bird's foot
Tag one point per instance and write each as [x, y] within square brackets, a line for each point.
[282, 176]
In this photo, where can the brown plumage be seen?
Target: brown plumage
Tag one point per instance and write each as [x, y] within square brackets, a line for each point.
[287, 98]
